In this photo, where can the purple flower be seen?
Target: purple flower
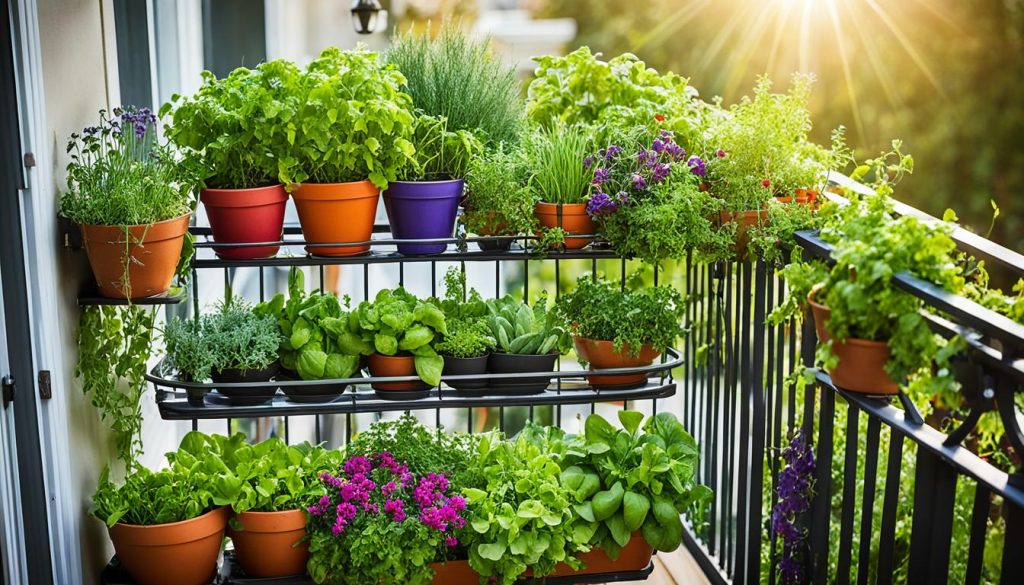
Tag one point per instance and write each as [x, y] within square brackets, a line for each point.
[396, 508]
[612, 152]
[639, 183]
[697, 166]
[451, 542]
[357, 464]
[601, 204]
[661, 171]
[601, 175]
[675, 151]
[795, 488]
[658, 145]
[589, 160]
[330, 481]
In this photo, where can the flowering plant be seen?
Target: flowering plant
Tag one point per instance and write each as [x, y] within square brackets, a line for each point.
[382, 523]
[795, 488]
[621, 175]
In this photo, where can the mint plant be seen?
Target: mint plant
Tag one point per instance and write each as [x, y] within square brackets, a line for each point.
[499, 200]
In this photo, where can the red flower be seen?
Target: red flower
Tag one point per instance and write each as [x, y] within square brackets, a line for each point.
[766, 183]
[659, 117]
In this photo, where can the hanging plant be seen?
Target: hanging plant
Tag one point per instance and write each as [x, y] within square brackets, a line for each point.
[796, 488]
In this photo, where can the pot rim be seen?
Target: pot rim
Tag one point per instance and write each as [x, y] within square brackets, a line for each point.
[346, 191]
[574, 207]
[135, 225]
[296, 515]
[438, 182]
[156, 534]
[229, 191]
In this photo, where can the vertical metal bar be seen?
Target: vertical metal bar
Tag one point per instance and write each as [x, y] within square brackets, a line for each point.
[849, 496]
[890, 506]
[868, 502]
[820, 516]
[712, 408]
[757, 434]
[979, 525]
[931, 531]
[1013, 544]
[743, 405]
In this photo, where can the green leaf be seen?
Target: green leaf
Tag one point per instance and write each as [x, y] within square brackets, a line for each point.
[492, 551]
[630, 420]
[607, 502]
[634, 509]
[617, 527]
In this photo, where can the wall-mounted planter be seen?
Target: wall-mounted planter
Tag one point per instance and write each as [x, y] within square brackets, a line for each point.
[179, 553]
[511, 363]
[422, 210]
[861, 366]
[240, 216]
[571, 217]
[465, 367]
[635, 556]
[135, 262]
[269, 543]
[454, 573]
[601, 355]
[246, 396]
[384, 366]
[332, 213]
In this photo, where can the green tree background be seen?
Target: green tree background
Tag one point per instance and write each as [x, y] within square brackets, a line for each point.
[946, 76]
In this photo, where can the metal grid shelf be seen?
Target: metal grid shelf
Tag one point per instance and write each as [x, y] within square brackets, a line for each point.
[91, 297]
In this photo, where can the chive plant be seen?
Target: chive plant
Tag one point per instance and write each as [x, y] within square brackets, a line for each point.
[557, 159]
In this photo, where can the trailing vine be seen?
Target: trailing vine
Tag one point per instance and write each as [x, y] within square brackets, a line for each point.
[114, 344]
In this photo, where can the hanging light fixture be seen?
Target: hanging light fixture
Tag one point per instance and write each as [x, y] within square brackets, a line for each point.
[364, 15]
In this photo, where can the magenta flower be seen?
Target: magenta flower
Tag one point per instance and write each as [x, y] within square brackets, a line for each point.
[357, 464]
[720, 153]
[451, 542]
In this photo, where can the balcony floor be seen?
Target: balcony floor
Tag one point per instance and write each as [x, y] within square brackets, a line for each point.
[674, 568]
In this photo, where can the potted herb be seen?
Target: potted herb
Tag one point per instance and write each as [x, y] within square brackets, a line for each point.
[351, 130]
[633, 483]
[615, 328]
[132, 201]
[561, 181]
[468, 343]
[423, 205]
[269, 487]
[230, 345]
[529, 340]
[872, 337]
[314, 343]
[167, 525]
[397, 331]
[498, 200]
[235, 130]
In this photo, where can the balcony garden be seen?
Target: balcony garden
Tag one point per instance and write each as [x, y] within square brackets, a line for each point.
[757, 286]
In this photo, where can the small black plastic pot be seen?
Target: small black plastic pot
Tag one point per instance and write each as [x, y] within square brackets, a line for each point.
[495, 244]
[511, 363]
[454, 366]
[246, 396]
[309, 392]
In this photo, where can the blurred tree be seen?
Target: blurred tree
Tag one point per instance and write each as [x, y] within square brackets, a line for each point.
[947, 76]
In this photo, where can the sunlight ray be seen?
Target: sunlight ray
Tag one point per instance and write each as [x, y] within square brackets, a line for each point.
[929, 5]
[752, 37]
[891, 94]
[907, 45]
[718, 43]
[805, 38]
[780, 28]
[673, 23]
[844, 59]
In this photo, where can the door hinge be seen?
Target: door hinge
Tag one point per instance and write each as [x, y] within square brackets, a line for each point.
[30, 160]
[45, 391]
[7, 384]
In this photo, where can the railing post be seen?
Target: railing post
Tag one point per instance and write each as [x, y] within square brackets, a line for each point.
[932, 529]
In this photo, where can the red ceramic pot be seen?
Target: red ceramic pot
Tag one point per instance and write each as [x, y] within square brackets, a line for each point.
[240, 216]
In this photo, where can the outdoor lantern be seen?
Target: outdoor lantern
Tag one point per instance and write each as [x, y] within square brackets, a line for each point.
[364, 15]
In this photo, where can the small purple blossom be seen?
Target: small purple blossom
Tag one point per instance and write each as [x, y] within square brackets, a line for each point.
[601, 204]
[451, 542]
[357, 464]
[658, 145]
[795, 488]
[697, 166]
[601, 175]
[639, 183]
[612, 152]
[661, 172]
[588, 161]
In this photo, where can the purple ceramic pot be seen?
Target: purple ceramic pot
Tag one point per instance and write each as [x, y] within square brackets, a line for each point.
[422, 210]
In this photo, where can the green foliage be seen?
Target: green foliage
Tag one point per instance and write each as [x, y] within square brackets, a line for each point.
[238, 129]
[396, 321]
[498, 198]
[458, 78]
[611, 98]
[468, 334]
[114, 345]
[520, 329]
[149, 497]
[522, 517]
[269, 476]
[556, 157]
[352, 121]
[231, 337]
[441, 153]
[121, 174]
[603, 311]
[315, 342]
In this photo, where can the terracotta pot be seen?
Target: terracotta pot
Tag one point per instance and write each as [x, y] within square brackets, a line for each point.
[744, 220]
[395, 365]
[267, 545]
[574, 220]
[635, 556]
[492, 225]
[336, 213]
[179, 553]
[137, 266]
[801, 196]
[239, 216]
[601, 355]
[454, 573]
[862, 362]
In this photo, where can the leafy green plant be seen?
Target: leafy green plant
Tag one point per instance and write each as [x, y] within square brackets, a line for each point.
[120, 173]
[441, 154]
[524, 330]
[153, 497]
[499, 200]
[352, 121]
[634, 478]
[114, 345]
[232, 337]
[522, 518]
[396, 321]
[315, 340]
[557, 159]
[603, 311]
[457, 78]
[612, 98]
[465, 316]
[238, 129]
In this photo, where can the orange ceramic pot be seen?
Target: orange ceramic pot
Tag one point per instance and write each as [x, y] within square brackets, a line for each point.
[601, 355]
[861, 366]
[635, 556]
[571, 217]
[744, 220]
[137, 265]
[336, 213]
[454, 573]
[267, 545]
[394, 365]
[179, 553]
[800, 196]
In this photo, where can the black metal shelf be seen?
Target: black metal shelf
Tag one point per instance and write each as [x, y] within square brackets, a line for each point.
[91, 297]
